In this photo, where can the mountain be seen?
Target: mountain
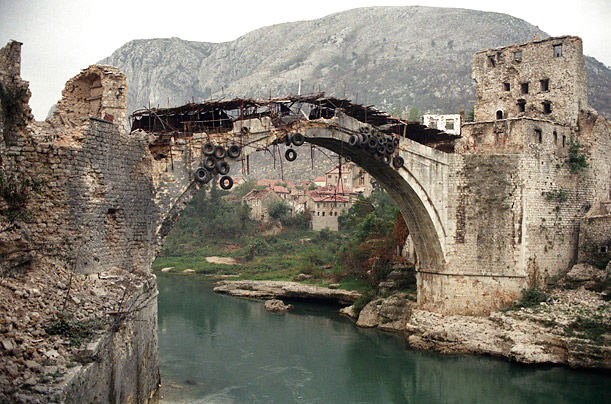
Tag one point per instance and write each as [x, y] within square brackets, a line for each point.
[393, 57]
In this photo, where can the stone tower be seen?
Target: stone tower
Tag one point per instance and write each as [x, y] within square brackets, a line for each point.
[520, 194]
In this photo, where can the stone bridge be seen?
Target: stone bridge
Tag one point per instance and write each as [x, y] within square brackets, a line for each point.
[490, 213]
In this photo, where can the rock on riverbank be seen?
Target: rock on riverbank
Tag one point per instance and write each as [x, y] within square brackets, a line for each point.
[281, 289]
[571, 329]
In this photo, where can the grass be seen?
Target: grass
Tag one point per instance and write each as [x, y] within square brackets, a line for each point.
[276, 257]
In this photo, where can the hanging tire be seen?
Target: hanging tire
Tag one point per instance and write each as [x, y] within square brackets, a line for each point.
[373, 143]
[390, 148]
[287, 140]
[245, 129]
[290, 155]
[364, 140]
[209, 163]
[395, 141]
[377, 156]
[363, 129]
[353, 140]
[381, 149]
[298, 139]
[234, 151]
[202, 175]
[226, 182]
[220, 152]
[398, 162]
[208, 149]
[222, 167]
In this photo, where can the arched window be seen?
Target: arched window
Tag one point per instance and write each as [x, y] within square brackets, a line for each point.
[499, 114]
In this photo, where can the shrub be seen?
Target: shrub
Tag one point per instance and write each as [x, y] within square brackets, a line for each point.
[362, 301]
[531, 297]
[577, 160]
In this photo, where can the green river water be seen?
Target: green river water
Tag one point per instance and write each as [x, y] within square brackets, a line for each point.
[221, 349]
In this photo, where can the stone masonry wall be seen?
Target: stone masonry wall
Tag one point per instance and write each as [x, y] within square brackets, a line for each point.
[78, 195]
[499, 75]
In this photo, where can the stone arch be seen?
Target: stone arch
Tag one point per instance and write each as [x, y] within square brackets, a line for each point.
[413, 200]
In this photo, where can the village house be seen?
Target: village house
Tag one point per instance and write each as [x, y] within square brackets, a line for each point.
[353, 179]
[449, 123]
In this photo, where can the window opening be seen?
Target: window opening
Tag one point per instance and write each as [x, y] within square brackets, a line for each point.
[547, 107]
[491, 61]
[563, 141]
[558, 50]
[506, 86]
[555, 137]
[604, 249]
[522, 105]
[499, 114]
[538, 136]
[524, 88]
[545, 85]
[517, 56]
[450, 124]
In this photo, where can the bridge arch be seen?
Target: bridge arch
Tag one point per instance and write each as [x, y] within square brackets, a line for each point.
[421, 216]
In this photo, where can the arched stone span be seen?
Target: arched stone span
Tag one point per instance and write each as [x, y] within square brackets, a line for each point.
[421, 216]
[417, 187]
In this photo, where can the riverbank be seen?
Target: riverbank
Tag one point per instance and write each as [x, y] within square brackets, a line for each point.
[571, 329]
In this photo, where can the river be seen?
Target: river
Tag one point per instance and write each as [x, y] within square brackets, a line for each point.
[221, 349]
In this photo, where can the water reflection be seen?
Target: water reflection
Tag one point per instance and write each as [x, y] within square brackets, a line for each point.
[220, 349]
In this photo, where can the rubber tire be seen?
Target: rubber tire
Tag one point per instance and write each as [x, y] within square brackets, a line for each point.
[372, 143]
[208, 149]
[398, 162]
[228, 179]
[222, 167]
[245, 130]
[364, 140]
[390, 148]
[202, 175]
[287, 140]
[377, 155]
[290, 155]
[353, 140]
[234, 151]
[220, 152]
[395, 141]
[364, 129]
[298, 139]
[209, 163]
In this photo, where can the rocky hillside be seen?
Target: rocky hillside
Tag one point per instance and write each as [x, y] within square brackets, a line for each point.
[393, 57]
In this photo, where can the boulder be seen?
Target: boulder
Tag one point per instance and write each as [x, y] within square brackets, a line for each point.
[277, 305]
[281, 289]
[370, 315]
[585, 275]
[348, 311]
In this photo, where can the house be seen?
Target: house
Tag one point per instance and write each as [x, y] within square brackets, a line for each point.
[325, 209]
[449, 123]
[352, 179]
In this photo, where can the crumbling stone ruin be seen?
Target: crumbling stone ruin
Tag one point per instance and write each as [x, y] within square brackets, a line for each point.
[533, 163]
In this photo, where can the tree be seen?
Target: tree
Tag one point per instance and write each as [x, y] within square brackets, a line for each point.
[414, 114]
[278, 209]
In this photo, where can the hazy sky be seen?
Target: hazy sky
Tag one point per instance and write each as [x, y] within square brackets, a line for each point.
[61, 37]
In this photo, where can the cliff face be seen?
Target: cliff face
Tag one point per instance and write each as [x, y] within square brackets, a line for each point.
[393, 57]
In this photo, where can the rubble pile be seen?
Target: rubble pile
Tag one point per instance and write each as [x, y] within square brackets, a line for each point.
[36, 303]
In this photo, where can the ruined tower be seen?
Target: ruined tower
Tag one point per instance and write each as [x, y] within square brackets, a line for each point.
[530, 166]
